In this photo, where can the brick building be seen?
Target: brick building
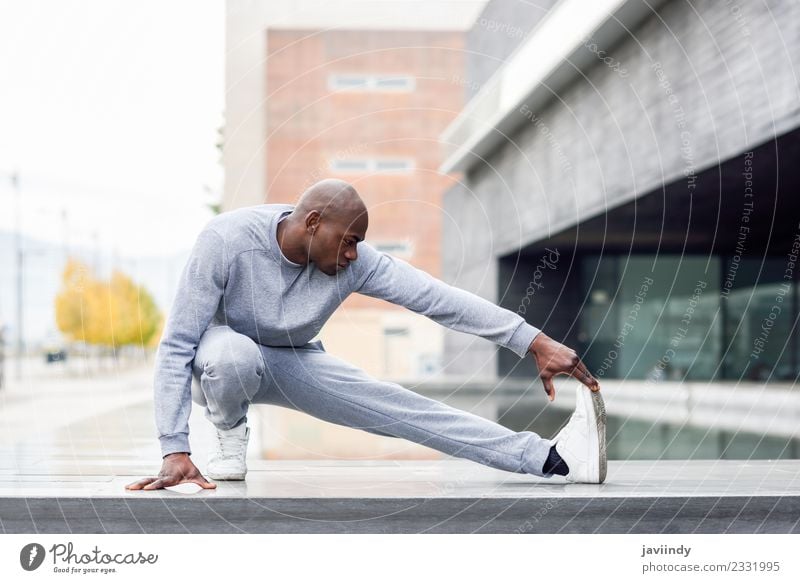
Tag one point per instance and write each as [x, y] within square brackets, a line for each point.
[367, 106]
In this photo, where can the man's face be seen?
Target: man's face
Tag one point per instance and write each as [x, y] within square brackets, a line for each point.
[333, 244]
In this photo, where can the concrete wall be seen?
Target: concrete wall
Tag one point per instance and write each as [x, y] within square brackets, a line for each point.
[498, 30]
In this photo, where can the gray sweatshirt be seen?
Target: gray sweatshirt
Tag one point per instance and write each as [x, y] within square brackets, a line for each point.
[237, 275]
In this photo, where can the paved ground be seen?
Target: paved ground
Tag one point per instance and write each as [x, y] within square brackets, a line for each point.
[48, 399]
[68, 448]
[72, 480]
[439, 496]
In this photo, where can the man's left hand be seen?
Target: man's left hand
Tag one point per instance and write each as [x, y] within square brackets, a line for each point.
[553, 358]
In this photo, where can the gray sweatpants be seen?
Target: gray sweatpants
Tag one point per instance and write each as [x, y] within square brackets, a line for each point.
[233, 371]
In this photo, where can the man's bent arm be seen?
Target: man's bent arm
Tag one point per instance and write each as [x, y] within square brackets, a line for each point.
[199, 292]
[394, 280]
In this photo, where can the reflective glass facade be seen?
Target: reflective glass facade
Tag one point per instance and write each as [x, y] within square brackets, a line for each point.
[688, 317]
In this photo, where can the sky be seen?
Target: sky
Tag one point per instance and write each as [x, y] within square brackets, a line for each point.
[110, 111]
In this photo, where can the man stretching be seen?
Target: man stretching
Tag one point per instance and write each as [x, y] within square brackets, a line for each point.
[259, 285]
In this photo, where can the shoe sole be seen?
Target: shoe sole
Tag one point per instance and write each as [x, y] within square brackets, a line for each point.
[231, 477]
[600, 415]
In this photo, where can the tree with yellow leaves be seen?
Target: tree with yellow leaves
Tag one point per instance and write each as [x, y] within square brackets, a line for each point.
[110, 313]
[71, 303]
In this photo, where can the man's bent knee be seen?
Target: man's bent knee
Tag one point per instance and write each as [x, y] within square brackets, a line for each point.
[232, 359]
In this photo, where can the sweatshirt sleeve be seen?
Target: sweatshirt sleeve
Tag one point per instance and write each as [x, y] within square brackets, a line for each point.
[198, 295]
[394, 280]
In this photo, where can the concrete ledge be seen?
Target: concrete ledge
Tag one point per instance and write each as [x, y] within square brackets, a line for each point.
[452, 496]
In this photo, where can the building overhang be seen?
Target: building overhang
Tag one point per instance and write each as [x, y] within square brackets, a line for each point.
[712, 218]
[552, 56]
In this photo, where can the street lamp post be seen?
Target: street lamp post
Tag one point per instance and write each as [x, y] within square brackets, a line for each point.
[20, 259]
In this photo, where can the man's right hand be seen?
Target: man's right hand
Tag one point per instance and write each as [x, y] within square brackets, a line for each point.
[177, 468]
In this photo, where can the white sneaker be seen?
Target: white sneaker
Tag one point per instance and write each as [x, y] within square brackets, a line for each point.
[229, 462]
[582, 441]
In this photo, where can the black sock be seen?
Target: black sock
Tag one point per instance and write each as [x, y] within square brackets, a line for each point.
[555, 464]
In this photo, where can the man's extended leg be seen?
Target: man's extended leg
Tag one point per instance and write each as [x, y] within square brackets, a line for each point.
[309, 379]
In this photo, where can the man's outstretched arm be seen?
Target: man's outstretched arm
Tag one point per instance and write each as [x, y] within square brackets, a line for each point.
[199, 292]
[394, 280]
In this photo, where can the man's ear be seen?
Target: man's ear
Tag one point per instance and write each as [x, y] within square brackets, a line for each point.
[312, 221]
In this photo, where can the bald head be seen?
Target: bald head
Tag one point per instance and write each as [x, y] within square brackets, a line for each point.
[327, 223]
[332, 198]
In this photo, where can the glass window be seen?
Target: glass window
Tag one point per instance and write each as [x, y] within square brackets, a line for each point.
[402, 83]
[399, 248]
[372, 165]
[649, 317]
[350, 165]
[348, 82]
[393, 165]
[759, 320]
[360, 82]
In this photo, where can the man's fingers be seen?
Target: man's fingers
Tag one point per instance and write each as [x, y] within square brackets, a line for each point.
[205, 484]
[549, 388]
[158, 483]
[586, 377]
[139, 484]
